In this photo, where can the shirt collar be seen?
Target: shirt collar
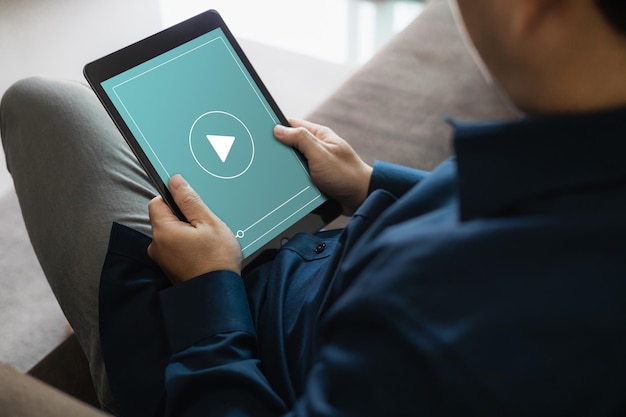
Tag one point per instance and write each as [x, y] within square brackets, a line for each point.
[502, 164]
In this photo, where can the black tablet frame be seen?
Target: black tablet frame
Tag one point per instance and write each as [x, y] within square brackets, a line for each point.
[129, 57]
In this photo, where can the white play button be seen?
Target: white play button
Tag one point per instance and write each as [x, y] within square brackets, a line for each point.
[221, 144]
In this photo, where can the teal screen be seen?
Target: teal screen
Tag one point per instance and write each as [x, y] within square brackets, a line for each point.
[196, 111]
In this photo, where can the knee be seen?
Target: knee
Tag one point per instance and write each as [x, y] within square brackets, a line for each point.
[36, 94]
[18, 99]
[20, 94]
[20, 106]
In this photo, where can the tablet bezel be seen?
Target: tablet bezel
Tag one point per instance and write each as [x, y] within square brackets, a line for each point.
[151, 47]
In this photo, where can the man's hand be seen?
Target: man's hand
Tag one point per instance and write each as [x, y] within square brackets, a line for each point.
[187, 250]
[334, 166]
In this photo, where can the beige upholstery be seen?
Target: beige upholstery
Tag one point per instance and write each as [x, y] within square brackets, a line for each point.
[25, 396]
[392, 109]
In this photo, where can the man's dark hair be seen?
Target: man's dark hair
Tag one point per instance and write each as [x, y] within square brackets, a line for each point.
[615, 13]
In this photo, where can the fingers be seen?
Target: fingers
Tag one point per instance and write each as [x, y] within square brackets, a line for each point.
[187, 250]
[313, 127]
[158, 210]
[187, 200]
[299, 138]
[321, 132]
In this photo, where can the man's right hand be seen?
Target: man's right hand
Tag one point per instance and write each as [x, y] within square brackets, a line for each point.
[334, 166]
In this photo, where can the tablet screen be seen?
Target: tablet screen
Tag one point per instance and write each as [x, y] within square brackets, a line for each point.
[195, 110]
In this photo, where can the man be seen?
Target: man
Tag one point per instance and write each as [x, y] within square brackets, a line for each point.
[492, 286]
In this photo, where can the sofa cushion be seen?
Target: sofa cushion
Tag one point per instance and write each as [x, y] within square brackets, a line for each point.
[23, 395]
[393, 108]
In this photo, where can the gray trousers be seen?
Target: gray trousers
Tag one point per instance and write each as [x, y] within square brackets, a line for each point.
[74, 175]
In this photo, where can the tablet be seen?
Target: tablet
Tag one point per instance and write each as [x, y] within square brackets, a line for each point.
[188, 101]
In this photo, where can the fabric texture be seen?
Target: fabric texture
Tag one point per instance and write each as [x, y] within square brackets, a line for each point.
[478, 291]
[22, 395]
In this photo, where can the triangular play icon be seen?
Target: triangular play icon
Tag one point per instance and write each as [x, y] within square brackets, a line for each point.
[221, 144]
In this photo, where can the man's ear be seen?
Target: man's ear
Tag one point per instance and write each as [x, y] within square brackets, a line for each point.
[529, 16]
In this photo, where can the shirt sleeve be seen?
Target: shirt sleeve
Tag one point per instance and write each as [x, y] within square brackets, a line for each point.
[213, 369]
[396, 179]
[361, 368]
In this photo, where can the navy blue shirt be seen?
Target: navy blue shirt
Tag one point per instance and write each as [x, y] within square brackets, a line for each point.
[495, 285]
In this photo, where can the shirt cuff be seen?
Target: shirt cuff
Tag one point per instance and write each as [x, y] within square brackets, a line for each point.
[210, 304]
[395, 179]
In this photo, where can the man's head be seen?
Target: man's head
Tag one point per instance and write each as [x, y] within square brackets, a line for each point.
[552, 55]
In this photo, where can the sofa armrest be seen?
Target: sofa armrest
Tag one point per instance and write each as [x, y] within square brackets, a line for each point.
[24, 396]
[66, 369]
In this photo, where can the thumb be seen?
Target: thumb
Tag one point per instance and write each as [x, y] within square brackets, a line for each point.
[299, 138]
[188, 201]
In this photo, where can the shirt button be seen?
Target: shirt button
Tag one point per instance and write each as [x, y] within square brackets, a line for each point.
[320, 248]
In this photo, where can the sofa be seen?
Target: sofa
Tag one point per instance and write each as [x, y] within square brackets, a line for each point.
[392, 109]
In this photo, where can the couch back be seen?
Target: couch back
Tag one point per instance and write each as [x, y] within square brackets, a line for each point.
[393, 108]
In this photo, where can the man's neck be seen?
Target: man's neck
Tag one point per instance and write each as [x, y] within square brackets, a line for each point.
[568, 70]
